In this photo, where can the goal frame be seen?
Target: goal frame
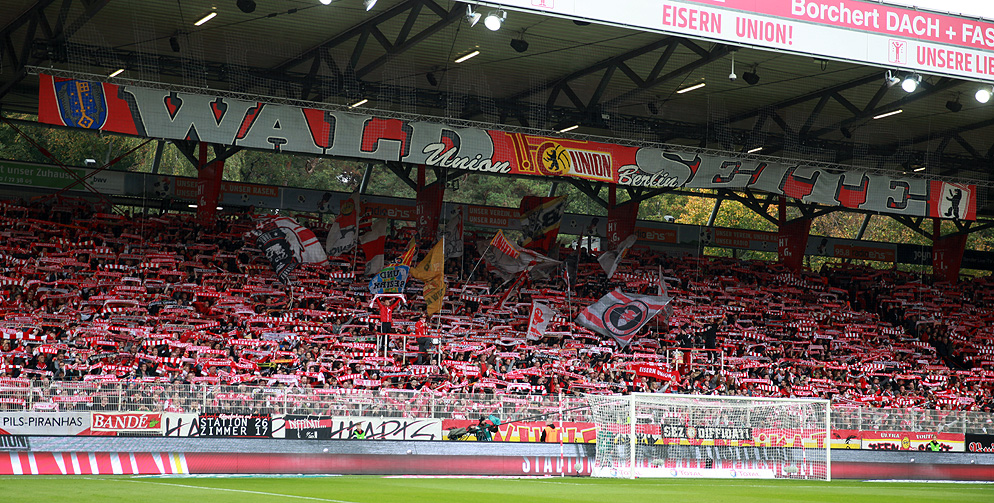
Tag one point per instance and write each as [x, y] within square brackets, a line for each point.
[632, 400]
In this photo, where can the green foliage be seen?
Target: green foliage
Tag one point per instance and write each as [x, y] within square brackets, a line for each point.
[693, 207]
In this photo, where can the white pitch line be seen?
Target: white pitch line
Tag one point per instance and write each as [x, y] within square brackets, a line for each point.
[260, 493]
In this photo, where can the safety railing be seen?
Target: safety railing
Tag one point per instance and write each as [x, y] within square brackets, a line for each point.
[18, 395]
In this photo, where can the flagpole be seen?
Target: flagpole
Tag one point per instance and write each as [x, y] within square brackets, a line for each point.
[462, 256]
[355, 241]
[438, 323]
[480, 260]
[569, 303]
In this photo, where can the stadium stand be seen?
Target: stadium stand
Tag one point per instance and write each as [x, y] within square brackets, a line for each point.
[100, 297]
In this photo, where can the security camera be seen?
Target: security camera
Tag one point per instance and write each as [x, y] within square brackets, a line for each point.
[732, 76]
[669, 218]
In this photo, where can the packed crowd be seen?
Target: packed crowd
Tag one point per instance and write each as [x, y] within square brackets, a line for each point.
[99, 296]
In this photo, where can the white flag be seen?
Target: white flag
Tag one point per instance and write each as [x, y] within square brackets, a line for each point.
[609, 260]
[539, 321]
[454, 235]
[340, 240]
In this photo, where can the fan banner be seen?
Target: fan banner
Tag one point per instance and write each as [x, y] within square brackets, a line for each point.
[621, 315]
[391, 279]
[172, 115]
[540, 221]
[539, 321]
[407, 258]
[434, 293]
[130, 422]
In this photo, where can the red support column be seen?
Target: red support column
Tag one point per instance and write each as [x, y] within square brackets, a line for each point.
[947, 253]
[208, 187]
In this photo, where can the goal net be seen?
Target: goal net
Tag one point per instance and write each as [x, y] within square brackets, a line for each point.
[696, 436]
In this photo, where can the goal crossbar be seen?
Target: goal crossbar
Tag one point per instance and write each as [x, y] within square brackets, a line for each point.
[663, 435]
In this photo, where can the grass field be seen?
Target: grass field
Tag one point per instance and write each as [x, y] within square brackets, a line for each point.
[368, 489]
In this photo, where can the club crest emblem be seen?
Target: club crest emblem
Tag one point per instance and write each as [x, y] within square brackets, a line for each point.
[82, 104]
[624, 319]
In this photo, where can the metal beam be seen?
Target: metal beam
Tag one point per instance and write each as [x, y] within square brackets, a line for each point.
[397, 169]
[873, 108]
[347, 35]
[861, 81]
[52, 37]
[366, 175]
[591, 190]
[556, 83]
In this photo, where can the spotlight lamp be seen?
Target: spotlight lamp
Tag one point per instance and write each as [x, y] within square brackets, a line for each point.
[369, 4]
[910, 82]
[984, 94]
[326, 2]
[891, 79]
[472, 17]
[494, 20]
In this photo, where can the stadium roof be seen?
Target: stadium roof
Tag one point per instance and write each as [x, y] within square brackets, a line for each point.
[612, 81]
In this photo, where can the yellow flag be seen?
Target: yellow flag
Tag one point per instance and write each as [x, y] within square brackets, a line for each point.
[432, 265]
[434, 294]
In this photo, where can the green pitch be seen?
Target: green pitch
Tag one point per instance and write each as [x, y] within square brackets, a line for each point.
[471, 490]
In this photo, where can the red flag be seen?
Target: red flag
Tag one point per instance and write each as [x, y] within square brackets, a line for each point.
[501, 243]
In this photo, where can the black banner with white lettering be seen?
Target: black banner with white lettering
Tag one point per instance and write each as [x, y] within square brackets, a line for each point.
[979, 443]
[235, 425]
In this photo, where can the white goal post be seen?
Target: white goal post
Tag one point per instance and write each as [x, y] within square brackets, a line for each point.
[703, 436]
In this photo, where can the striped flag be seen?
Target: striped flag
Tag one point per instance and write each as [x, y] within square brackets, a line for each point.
[510, 261]
[408, 257]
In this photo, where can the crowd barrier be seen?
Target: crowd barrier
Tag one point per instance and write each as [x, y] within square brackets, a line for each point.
[211, 411]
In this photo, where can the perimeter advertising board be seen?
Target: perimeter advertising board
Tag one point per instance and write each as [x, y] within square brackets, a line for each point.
[862, 31]
[44, 423]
